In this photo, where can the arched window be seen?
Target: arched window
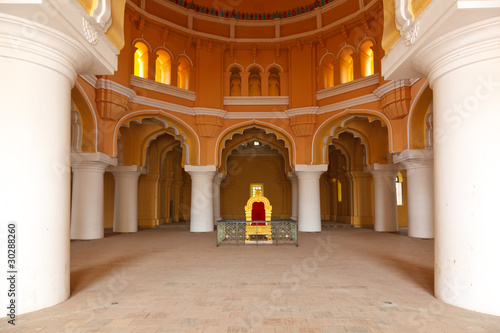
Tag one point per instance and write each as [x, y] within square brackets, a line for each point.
[346, 66]
[163, 67]
[367, 60]
[235, 82]
[399, 189]
[183, 73]
[141, 60]
[254, 88]
[274, 82]
[326, 72]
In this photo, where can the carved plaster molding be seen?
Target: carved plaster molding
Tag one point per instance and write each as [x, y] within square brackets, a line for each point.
[90, 33]
[411, 33]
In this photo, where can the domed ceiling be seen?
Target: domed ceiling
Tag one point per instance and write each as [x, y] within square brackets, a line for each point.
[254, 6]
[251, 10]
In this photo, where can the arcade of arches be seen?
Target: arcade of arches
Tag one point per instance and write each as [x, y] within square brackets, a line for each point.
[342, 113]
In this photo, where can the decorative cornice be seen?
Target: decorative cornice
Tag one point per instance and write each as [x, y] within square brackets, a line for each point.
[162, 88]
[378, 169]
[302, 111]
[163, 105]
[348, 103]
[393, 85]
[348, 86]
[414, 158]
[209, 112]
[256, 115]
[257, 100]
[91, 79]
[348, 21]
[116, 87]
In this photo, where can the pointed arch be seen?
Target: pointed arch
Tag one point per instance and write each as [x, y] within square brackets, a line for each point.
[180, 129]
[416, 124]
[88, 118]
[330, 127]
[280, 133]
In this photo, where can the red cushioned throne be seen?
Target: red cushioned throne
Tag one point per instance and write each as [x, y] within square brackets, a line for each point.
[258, 209]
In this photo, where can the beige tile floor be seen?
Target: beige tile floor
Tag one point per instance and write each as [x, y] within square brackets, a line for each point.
[171, 280]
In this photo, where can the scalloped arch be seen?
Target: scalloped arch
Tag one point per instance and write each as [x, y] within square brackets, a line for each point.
[182, 132]
[268, 128]
[88, 118]
[326, 131]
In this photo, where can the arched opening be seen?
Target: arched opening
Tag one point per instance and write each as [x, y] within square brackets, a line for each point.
[254, 82]
[235, 82]
[141, 60]
[326, 72]
[367, 59]
[254, 159]
[346, 65]
[183, 73]
[274, 82]
[163, 67]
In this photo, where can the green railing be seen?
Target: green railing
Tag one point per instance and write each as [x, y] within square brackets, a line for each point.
[234, 232]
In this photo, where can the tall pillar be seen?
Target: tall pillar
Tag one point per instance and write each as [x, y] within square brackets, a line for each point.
[384, 196]
[202, 206]
[309, 214]
[420, 179]
[457, 49]
[126, 186]
[217, 180]
[87, 199]
[361, 203]
[38, 65]
[295, 195]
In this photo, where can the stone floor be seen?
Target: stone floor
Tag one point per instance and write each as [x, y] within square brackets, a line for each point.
[171, 280]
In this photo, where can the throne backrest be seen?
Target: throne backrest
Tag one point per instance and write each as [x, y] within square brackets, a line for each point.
[258, 208]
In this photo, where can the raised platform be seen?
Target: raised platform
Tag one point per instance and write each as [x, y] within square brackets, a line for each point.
[233, 232]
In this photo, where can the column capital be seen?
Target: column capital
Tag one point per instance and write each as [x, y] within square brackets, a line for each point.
[88, 161]
[414, 158]
[195, 170]
[78, 43]
[446, 36]
[132, 171]
[303, 169]
[382, 170]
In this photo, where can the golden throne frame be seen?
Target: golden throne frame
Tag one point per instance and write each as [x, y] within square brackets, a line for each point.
[256, 229]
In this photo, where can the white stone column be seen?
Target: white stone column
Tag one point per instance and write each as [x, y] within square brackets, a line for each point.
[309, 214]
[384, 196]
[202, 206]
[420, 186]
[87, 199]
[457, 49]
[38, 66]
[126, 185]
[295, 195]
[216, 188]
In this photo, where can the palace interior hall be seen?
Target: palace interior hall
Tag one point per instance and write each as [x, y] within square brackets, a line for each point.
[134, 131]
